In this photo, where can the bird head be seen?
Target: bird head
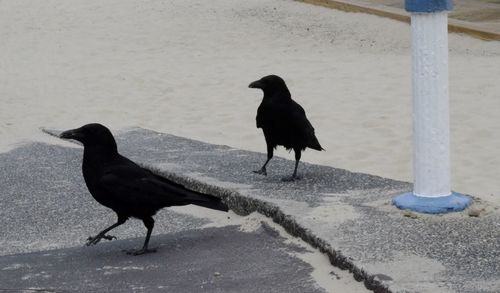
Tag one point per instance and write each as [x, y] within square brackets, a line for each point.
[91, 135]
[271, 85]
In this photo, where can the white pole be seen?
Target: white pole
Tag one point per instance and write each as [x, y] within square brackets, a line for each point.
[431, 155]
[431, 122]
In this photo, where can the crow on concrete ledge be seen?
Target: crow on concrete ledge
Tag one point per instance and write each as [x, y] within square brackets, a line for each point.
[128, 189]
[283, 121]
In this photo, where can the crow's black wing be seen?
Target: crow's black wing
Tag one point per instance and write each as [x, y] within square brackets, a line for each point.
[299, 121]
[261, 118]
[132, 185]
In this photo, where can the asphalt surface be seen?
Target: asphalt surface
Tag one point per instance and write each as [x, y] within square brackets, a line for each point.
[346, 215]
[200, 260]
[47, 214]
[45, 203]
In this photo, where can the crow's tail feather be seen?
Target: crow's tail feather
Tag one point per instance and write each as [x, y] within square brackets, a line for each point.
[214, 204]
[186, 196]
[314, 144]
[220, 206]
[211, 202]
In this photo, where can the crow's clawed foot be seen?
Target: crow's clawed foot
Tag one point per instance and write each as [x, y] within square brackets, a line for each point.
[94, 240]
[261, 172]
[290, 179]
[139, 251]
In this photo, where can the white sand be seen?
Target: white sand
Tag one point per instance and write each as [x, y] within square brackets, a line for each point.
[183, 66]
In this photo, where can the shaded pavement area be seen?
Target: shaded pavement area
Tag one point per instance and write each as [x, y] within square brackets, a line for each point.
[199, 260]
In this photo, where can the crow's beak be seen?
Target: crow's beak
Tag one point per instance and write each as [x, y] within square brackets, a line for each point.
[71, 134]
[255, 85]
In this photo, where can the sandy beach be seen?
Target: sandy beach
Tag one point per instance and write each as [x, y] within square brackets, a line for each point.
[183, 67]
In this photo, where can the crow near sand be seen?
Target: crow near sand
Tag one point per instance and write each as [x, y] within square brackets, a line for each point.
[128, 189]
[283, 121]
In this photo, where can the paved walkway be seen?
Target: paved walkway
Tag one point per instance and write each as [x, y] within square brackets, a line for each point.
[484, 13]
[479, 18]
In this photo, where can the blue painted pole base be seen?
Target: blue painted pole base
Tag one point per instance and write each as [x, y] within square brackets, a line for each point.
[438, 205]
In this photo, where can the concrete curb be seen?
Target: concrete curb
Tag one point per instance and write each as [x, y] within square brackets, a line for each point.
[454, 26]
[243, 205]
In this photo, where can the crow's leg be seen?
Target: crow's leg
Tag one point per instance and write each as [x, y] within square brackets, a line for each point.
[270, 152]
[102, 235]
[297, 159]
[149, 223]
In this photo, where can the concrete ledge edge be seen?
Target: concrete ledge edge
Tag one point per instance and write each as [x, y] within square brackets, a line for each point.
[244, 205]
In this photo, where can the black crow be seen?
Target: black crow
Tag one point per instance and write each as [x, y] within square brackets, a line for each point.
[128, 189]
[283, 121]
